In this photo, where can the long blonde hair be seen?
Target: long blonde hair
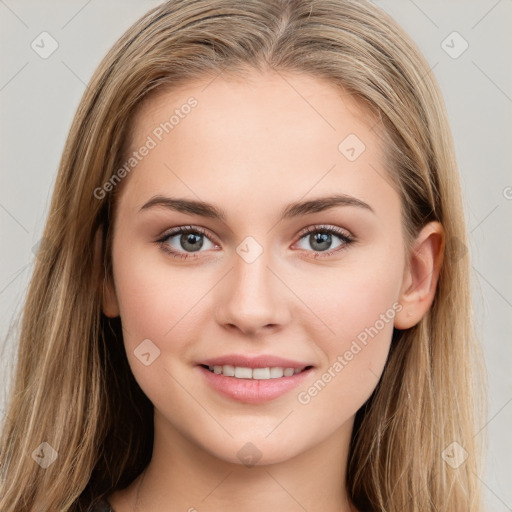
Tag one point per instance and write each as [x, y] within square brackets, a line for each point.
[73, 388]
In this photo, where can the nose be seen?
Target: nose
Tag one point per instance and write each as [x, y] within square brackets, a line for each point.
[252, 298]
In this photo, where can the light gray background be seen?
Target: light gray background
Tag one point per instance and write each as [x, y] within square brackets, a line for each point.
[39, 97]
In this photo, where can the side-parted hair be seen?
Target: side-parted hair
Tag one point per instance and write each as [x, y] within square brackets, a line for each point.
[72, 387]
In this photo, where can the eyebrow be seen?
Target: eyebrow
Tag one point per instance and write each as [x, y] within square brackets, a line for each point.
[292, 210]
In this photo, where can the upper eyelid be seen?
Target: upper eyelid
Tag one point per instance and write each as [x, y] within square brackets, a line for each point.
[325, 227]
[179, 229]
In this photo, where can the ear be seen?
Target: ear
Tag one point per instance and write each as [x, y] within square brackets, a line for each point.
[109, 304]
[421, 275]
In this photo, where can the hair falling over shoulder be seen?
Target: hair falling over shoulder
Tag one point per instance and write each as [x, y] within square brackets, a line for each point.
[72, 391]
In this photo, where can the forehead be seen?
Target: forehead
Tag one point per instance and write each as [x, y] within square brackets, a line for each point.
[291, 96]
[257, 135]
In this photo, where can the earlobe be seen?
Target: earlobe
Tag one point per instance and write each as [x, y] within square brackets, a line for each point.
[421, 275]
[109, 304]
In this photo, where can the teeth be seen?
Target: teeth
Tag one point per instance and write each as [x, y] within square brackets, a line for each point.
[275, 372]
[261, 373]
[241, 372]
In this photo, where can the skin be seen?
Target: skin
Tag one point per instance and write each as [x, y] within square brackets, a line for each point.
[251, 147]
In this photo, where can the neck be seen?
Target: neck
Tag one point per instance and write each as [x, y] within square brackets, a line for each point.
[184, 476]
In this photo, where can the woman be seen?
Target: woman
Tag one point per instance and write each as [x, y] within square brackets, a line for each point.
[316, 352]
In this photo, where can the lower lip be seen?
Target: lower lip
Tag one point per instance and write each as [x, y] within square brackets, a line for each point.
[253, 391]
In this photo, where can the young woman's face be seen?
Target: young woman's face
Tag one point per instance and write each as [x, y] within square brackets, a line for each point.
[251, 280]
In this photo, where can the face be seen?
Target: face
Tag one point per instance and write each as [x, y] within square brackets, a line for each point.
[316, 284]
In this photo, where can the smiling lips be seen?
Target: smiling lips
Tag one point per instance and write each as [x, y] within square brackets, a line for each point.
[260, 361]
[253, 379]
[243, 372]
[260, 367]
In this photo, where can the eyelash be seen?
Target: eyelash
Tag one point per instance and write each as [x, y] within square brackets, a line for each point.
[347, 240]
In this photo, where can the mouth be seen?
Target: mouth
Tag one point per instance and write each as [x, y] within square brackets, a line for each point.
[253, 385]
[264, 373]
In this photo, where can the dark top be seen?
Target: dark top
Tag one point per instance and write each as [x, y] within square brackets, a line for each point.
[102, 506]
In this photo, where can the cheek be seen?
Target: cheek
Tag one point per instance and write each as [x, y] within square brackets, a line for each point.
[354, 296]
[152, 300]
[359, 308]
[161, 306]
[365, 303]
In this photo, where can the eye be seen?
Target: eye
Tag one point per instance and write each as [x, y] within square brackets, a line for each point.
[320, 239]
[189, 239]
[183, 241]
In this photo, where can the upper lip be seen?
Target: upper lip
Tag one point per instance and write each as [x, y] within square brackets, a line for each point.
[261, 361]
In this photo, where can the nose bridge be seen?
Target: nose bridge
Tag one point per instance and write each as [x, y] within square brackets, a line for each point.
[252, 295]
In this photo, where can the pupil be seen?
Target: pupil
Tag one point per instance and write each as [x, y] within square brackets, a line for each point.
[195, 241]
[322, 238]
